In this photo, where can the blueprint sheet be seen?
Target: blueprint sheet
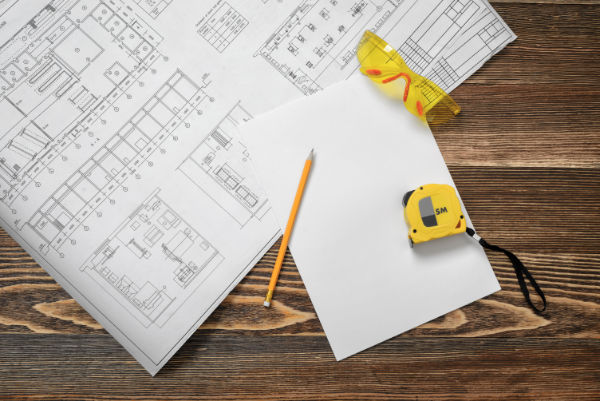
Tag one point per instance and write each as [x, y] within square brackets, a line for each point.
[119, 169]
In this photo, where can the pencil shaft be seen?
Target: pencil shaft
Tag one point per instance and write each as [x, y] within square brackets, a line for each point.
[289, 226]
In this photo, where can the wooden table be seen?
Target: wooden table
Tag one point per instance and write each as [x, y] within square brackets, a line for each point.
[525, 155]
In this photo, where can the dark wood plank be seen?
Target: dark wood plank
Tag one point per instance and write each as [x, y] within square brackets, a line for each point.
[507, 125]
[555, 45]
[571, 283]
[214, 367]
[537, 103]
[533, 209]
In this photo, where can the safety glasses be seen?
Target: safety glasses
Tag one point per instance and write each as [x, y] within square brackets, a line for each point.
[380, 62]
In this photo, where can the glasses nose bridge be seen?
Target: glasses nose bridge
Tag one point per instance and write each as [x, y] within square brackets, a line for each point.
[407, 80]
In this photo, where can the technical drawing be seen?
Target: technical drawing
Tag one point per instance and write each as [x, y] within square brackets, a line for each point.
[152, 261]
[123, 155]
[480, 41]
[312, 49]
[222, 25]
[153, 7]
[436, 32]
[49, 86]
[220, 165]
[6, 5]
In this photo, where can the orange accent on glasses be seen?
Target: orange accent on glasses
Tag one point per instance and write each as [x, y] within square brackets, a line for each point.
[373, 72]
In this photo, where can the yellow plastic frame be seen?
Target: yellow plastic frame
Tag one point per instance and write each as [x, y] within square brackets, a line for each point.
[384, 65]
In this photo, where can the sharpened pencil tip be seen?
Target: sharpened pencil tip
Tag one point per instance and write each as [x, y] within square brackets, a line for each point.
[310, 155]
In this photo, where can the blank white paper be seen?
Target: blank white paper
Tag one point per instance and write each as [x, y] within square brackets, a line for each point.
[350, 239]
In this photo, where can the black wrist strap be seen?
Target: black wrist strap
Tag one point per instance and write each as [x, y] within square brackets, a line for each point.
[520, 270]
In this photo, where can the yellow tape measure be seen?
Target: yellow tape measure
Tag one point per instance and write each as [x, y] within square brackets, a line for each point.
[433, 211]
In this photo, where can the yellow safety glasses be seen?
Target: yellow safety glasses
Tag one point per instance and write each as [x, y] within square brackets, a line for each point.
[380, 62]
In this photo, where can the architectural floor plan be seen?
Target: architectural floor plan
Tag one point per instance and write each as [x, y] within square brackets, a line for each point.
[319, 37]
[153, 237]
[112, 165]
[153, 7]
[63, 74]
[312, 50]
[121, 171]
[212, 168]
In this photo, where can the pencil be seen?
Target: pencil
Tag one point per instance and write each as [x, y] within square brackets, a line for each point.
[288, 229]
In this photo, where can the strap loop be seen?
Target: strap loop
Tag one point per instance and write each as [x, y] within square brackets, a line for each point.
[520, 270]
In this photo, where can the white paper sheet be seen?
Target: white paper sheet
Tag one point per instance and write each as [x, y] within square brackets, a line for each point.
[119, 172]
[350, 239]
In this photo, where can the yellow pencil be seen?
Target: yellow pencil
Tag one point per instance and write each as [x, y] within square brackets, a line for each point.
[288, 230]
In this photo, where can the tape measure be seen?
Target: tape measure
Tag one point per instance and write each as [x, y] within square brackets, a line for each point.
[433, 211]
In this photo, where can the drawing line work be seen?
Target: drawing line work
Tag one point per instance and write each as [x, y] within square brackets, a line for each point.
[222, 25]
[312, 50]
[312, 47]
[59, 74]
[436, 32]
[152, 261]
[6, 5]
[220, 167]
[153, 7]
[484, 37]
[125, 154]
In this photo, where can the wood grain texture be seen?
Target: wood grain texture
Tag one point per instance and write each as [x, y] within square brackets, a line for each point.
[213, 367]
[525, 156]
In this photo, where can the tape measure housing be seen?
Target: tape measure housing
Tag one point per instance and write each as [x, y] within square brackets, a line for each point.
[433, 211]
